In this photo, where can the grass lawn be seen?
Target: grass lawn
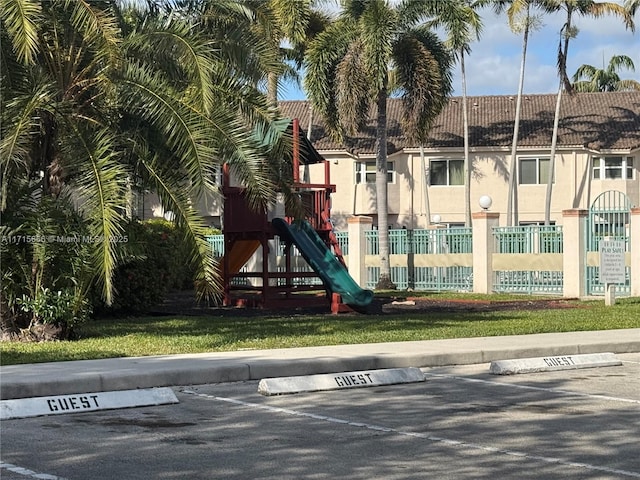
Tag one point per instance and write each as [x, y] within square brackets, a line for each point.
[140, 336]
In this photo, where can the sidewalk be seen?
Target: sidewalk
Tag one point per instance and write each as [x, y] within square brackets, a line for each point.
[34, 380]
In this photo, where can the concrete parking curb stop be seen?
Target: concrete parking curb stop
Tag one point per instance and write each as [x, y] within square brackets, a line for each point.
[85, 376]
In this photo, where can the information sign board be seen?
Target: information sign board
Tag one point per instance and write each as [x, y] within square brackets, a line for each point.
[612, 264]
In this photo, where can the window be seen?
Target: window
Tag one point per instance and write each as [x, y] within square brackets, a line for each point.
[366, 172]
[446, 172]
[217, 175]
[613, 168]
[533, 171]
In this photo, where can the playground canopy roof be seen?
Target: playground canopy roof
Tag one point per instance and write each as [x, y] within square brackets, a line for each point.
[308, 154]
[282, 129]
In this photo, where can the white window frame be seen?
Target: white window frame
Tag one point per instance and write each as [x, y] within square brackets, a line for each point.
[601, 170]
[538, 159]
[448, 170]
[217, 175]
[367, 170]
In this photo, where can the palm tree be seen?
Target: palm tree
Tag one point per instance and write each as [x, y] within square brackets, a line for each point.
[520, 19]
[97, 95]
[350, 69]
[281, 27]
[568, 31]
[463, 25]
[274, 23]
[591, 79]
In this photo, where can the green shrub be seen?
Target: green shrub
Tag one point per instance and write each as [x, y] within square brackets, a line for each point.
[46, 268]
[62, 308]
[156, 263]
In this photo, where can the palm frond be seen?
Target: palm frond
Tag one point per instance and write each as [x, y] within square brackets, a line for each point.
[20, 18]
[377, 28]
[20, 121]
[588, 78]
[462, 24]
[292, 16]
[145, 93]
[600, 9]
[353, 9]
[628, 85]
[353, 81]
[176, 50]
[621, 61]
[99, 27]
[176, 197]
[584, 71]
[585, 86]
[246, 154]
[318, 22]
[99, 182]
[230, 26]
[423, 68]
[323, 56]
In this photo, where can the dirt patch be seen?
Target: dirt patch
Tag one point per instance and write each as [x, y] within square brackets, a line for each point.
[426, 305]
[183, 303]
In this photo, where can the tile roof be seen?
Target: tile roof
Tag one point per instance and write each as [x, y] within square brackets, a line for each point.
[597, 121]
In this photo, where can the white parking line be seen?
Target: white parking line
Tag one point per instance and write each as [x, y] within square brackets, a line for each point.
[445, 441]
[28, 473]
[531, 387]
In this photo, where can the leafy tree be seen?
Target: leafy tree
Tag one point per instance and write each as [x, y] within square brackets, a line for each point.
[97, 94]
[570, 8]
[371, 49]
[605, 79]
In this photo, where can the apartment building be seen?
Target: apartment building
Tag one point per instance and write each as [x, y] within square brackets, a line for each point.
[598, 150]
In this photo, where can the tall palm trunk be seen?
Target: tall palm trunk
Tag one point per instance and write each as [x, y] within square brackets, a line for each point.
[467, 166]
[425, 187]
[512, 200]
[564, 83]
[552, 159]
[384, 282]
[272, 89]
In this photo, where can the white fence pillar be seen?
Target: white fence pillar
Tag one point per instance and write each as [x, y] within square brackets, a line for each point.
[635, 252]
[483, 248]
[357, 226]
[574, 256]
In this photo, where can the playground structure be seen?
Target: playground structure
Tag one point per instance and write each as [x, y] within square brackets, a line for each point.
[247, 231]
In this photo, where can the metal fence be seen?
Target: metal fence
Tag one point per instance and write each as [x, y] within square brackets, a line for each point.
[416, 243]
[609, 218]
[526, 259]
[530, 239]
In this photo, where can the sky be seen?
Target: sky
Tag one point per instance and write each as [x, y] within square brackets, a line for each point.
[493, 67]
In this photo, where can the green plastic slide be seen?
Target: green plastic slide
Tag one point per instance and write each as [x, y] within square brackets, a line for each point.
[335, 277]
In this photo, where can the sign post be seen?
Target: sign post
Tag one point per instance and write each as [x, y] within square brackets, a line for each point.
[612, 267]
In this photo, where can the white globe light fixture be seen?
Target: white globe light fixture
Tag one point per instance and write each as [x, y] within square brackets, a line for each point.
[436, 219]
[485, 202]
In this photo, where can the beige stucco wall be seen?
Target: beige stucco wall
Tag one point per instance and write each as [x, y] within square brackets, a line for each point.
[412, 204]
[209, 206]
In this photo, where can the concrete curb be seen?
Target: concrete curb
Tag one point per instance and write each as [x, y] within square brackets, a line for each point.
[87, 376]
